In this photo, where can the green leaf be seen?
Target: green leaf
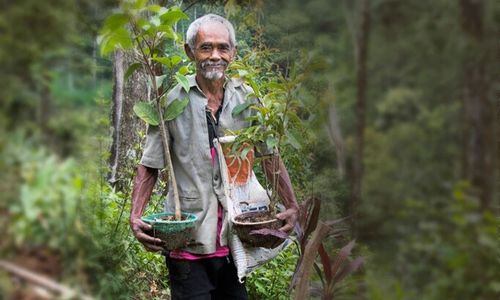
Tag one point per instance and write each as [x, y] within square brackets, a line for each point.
[271, 142]
[163, 60]
[238, 109]
[119, 38]
[154, 8]
[155, 20]
[131, 69]
[244, 152]
[172, 16]
[275, 85]
[159, 80]
[167, 30]
[114, 22]
[182, 80]
[175, 108]
[170, 62]
[294, 138]
[147, 112]
[139, 4]
[255, 88]
[184, 70]
[175, 60]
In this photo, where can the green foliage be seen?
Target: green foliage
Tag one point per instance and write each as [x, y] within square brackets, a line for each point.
[136, 23]
[175, 108]
[182, 80]
[276, 123]
[442, 258]
[272, 280]
[425, 235]
[49, 198]
[147, 112]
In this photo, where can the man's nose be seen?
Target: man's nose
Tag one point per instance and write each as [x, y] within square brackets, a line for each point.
[215, 55]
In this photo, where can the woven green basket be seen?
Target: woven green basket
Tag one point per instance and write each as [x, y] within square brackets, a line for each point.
[174, 234]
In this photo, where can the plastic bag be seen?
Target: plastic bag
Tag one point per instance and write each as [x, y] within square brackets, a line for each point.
[243, 193]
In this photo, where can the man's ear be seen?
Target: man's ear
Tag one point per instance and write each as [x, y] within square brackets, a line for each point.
[189, 52]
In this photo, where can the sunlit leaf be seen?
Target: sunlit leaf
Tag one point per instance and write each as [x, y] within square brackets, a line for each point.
[175, 108]
[183, 70]
[168, 31]
[154, 8]
[155, 20]
[175, 60]
[140, 4]
[115, 21]
[163, 60]
[183, 81]
[147, 112]
[119, 38]
[255, 88]
[173, 16]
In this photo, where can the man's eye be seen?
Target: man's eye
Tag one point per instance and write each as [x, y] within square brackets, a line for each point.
[206, 48]
[224, 48]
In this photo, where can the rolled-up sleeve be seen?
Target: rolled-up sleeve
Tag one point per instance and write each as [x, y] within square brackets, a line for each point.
[153, 150]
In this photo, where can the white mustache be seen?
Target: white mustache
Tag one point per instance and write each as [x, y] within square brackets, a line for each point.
[209, 63]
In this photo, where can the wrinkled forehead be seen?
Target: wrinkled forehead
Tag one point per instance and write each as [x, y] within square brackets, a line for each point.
[213, 32]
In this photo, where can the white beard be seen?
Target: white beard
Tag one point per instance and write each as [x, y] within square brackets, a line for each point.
[212, 75]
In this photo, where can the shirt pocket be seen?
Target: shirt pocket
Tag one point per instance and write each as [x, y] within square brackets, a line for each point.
[191, 202]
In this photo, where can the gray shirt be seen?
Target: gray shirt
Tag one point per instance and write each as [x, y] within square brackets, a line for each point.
[198, 179]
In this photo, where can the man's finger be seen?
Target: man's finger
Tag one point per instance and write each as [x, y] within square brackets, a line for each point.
[144, 226]
[283, 215]
[152, 248]
[287, 213]
[144, 238]
[287, 228]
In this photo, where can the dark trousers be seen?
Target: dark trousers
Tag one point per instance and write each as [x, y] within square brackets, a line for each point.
[204, 279]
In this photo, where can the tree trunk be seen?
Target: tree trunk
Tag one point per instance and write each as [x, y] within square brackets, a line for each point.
[479, 125]
[336, 139]
[361, 81]
[125, 125]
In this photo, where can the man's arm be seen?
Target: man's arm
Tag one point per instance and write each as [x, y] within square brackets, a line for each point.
[271, 165]
[144, 183]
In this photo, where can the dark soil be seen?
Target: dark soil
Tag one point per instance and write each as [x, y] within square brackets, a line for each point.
[172, 218]
[255, 217]
[244, 231]
[174, 240]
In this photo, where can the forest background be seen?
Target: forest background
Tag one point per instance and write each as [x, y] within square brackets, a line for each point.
[401, 108]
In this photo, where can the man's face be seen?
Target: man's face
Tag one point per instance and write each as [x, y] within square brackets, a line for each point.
[213, 51]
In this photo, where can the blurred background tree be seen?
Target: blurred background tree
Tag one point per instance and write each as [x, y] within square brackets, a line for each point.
[413, 159]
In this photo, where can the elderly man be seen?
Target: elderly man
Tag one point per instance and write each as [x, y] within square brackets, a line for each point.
[204, 269]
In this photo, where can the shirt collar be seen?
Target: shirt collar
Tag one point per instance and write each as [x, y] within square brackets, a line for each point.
[229, 83]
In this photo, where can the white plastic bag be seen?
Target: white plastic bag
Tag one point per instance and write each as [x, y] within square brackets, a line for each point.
[244, 193]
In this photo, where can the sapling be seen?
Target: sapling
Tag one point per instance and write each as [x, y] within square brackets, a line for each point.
[275, 124]
[146, 30]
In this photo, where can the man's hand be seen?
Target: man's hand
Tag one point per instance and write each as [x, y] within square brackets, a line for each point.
[290, 217]
[139, 229]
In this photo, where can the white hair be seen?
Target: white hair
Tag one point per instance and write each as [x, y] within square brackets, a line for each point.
[194, 27]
